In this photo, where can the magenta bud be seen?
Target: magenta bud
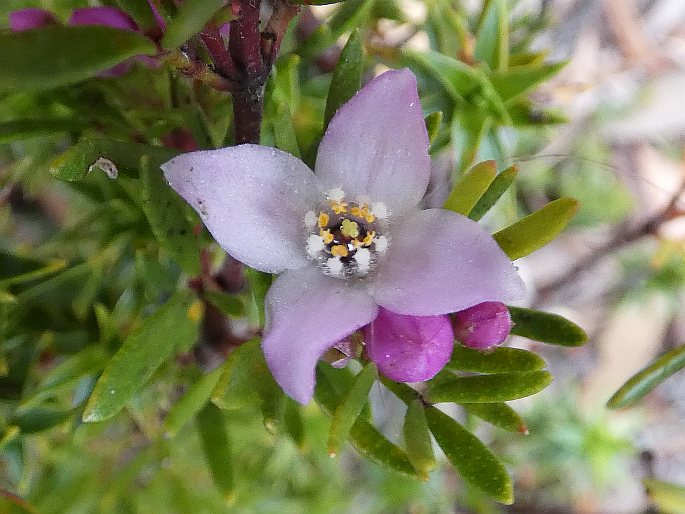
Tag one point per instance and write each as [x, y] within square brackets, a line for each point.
[482, 326]
[27, 19]
[107, 16]
[409, 348]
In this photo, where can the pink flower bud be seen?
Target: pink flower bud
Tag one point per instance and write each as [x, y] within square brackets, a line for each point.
[409, 348]
[27, 19]
[482, 326]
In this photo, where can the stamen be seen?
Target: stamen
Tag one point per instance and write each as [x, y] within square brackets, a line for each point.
[381, 243]
[323, 220]
[326, 236]
[335, 266]
[339, 251]
[369, 238]
[379, 210]
[363, 260]
[339, 207]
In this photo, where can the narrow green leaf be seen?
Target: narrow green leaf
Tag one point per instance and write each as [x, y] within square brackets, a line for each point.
[192, 16]
[494, 192]
[87, 361]
[468, 130]
[38, 419]
[48, 269]
[166, 213]
[536, 230]
[22, 129]
[173, 326]
[517, 80]
[347, 76]
[350, 407]
[368, 441]
[498, 414]
[83, 52]
[471, 187]
[500, 360]
[472, 459]
[217, 449]
[669, 498]
[293, 422]
[226, 303]
[492, 39]
[190, 403]
[643, 382]
[546, 327]
[433, 121]
[501, 387]
[417, 438]
[9, 313]
[315, 2]
[140, 11]
[76, 162]
[284, 131]
[259, 285]
[349, 15]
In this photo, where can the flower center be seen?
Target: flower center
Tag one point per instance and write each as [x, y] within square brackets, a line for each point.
[346, 238]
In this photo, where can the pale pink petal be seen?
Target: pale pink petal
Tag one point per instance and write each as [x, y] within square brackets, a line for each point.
[107, 16]
[376, 145]
[440, 262]
[483, 326]
[253, 199]
[32, 18]
[307, 313]
[409, 348]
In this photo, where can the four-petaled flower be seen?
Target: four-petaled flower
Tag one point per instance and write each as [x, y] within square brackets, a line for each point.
[349, 238]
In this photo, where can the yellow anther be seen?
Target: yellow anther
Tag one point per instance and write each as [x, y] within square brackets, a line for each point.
[349, 228]
[338, 207]
[326, 236]
[369, 217]
[323, 220]
[369, 238]
[339, 251]
[357, 243]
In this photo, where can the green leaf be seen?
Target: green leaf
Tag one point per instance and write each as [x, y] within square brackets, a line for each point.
[490, 388]
[350, 407]
[246, 380]
[546, 327]
[190, 403]
[417, 438]
[669, 498]
[259, 285]
[191, 18]
[500, 360]
[347, 76]
[75, 163]
[472, 459]
[293, 422]
[87, 361]
[173, 326]
[22, 129]
[37, 273]
[433, 121]
[498, 414]
[38, 419]
[9, 313]
[284, 131]
[643, 382]
[166, 213]
[368, 441]
[217, 449]
[494, 192]
[468, 130]
[226, 303]
[492, 39]
[315, 2]
[471, 187]
[515, 81]
[536, 230]
[82, 51]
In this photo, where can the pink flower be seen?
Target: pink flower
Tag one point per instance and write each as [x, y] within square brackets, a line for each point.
[349, 238]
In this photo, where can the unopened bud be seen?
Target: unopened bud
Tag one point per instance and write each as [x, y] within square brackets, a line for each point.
[482, 326]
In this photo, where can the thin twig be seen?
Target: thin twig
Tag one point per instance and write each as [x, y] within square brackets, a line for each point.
[273, 33]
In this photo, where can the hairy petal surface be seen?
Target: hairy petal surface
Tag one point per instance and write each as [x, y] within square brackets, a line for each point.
[31, 18]
[252, 199]
[107, 16]
[440, 262]
[308, 313]
[376, 145]
[409, 348]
